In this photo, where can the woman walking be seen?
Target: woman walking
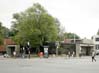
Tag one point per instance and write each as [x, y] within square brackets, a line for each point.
[93, 56]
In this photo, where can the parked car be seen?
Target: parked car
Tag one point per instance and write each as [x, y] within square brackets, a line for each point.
[97, 52]
[6, 56]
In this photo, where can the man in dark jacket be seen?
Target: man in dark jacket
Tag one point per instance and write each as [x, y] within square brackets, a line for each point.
[93, 56]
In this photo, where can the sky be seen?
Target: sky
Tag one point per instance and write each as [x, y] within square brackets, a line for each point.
[76, 16]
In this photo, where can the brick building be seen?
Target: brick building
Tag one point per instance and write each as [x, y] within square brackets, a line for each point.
[9, 46]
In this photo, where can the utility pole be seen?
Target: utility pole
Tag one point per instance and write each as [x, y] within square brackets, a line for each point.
[74, 39]
[57, 46]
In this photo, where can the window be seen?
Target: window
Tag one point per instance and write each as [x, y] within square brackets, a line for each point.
[97, 39]
[97, 46]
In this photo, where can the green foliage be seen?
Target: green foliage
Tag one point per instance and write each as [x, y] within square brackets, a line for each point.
[4, 33]
[1, 36]
[34, 25]
[71, 36]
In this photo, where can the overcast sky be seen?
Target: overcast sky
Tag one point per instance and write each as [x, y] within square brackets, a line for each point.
[77, 16]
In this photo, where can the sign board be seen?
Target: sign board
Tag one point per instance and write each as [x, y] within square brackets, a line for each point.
[45, 49]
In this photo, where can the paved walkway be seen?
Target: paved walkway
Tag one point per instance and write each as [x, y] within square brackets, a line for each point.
[50, 65]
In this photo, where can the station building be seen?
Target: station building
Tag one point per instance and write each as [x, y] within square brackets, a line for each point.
[81, 47]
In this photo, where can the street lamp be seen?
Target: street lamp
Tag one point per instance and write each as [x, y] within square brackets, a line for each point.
[28, 46]
[74, 39]
[57, 46]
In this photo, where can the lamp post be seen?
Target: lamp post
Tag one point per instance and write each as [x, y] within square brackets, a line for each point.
[74, 39]
[28, 46]
[57, 46]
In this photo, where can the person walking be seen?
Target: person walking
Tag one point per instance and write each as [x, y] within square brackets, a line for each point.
[14, 54]
[93, 56]
[69, 54]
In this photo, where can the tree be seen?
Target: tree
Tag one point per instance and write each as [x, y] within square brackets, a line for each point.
[61, 34]
[35, 25]
[1, 34]
[71, 36]
[4, 33]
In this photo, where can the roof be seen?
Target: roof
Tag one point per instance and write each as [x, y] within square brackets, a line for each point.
[67, 41]
[9, 42]
[72, 41]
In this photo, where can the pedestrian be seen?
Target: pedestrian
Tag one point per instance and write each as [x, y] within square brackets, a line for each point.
[14, 54]
[69, 54]
[23, 53]
[93, 56]
[73, 54]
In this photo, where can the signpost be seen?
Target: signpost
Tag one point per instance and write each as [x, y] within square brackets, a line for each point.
[57, 46]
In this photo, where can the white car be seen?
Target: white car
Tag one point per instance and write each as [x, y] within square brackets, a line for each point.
[6, 55]
[97, 52]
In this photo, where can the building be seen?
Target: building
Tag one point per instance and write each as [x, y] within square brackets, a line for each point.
[9, 46]
[80, 47]
[85, 47]
[2, 49]
[95, 39]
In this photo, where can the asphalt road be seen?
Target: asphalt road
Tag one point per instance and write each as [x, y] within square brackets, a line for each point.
[50, 65]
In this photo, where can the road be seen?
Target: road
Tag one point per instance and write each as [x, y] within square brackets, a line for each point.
[50, 65]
